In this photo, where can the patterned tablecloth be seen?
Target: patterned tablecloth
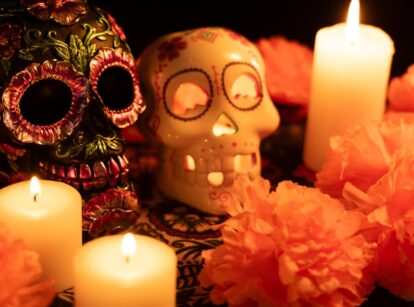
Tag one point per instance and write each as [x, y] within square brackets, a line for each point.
[189, 231]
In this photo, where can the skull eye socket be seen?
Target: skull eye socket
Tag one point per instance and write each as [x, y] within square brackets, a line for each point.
[245, 86]
[114, 81]
[115, 87]
[187, 94]
[187, 98]
[242, 85]
[46, 102]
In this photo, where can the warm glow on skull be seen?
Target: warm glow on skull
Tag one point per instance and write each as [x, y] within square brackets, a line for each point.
[209, 107]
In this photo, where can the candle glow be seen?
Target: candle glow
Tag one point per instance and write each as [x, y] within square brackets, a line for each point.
[352, 23]
[351, 68]
[51, 226]
[103, 277]
[128, 246]
[35, 188]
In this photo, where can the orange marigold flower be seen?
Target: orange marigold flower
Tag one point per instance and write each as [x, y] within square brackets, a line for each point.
[20, 271]
[291, 247]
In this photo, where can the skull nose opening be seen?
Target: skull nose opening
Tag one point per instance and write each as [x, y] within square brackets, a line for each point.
[215, 178]
[224, 125]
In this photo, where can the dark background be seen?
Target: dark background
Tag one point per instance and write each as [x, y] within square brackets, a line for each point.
[146, 20]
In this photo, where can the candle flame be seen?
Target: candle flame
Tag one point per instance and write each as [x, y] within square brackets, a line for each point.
[128, 246]
[352, 23]
[35, 188]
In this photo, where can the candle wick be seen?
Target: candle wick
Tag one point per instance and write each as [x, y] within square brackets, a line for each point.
[127, 258]
[35, 197]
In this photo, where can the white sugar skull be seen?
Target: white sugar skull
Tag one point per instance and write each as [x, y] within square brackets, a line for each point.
[208, 106]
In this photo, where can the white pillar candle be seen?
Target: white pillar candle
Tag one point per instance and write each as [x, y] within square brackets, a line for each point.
[350, 75]
[108, 272]
[49, 221]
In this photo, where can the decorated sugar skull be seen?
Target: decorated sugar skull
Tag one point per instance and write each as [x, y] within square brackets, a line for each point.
[209, 108]
[68, 85]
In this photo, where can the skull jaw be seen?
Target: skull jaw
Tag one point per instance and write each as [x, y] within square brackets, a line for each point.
[90, 178]
[206, 198]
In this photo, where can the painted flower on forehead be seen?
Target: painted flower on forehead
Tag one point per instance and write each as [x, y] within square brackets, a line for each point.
[64, 12]
[171, 49]
[10, 39]
[116, 28]
[30, 125]
[238, 37]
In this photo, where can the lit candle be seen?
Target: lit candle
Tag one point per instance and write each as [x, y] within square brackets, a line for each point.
[351, 69]
[47, 215]
[109, 272]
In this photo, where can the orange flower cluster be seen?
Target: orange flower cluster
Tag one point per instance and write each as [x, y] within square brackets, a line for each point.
[401, 92]
[372, 169]
[288, 75]
[20, 271]
[290, 247]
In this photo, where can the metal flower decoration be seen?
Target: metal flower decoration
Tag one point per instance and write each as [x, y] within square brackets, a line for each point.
[64, 12]
[110, 212]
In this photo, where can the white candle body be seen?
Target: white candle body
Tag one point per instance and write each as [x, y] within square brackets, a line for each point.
[103, 277]
[51, 226]
[349, 84]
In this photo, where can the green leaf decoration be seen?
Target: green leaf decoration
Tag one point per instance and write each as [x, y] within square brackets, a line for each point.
[5, 64]
[25, 54]
[63, 53]
[35, 39]
[115, 145]
[91, 50]
[92, 33]
[90, 150]
[101, 146]
[68, 152]
[78, 53]
[117, 42]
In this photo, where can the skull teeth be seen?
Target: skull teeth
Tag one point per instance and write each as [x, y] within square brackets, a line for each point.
[85, 171]
[113, 168]
[214, 171]
[72, 172]
[98, 175]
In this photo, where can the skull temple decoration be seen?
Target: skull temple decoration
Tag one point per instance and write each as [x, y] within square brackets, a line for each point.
[68, 85]
[209, 108]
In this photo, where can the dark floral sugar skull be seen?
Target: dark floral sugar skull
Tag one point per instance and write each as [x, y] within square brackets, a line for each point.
[68, 85]
[208, 106]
